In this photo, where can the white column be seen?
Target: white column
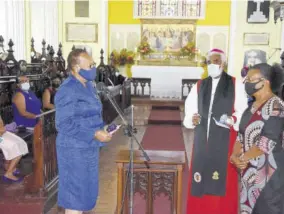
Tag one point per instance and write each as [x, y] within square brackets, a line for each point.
[233, 31]
[44, 23]
[282, 37]
[104, 29]
[12, 16]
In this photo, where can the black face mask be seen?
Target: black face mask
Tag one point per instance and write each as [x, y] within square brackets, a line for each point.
[250, 87]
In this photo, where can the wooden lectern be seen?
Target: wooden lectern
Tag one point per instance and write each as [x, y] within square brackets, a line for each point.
[163, 176]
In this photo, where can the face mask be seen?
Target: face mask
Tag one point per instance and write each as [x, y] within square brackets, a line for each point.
[214, 70]
[25, 86]
[88, 75]
[250, 87]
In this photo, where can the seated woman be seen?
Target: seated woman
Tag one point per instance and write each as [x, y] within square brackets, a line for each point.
[26, 106]
[49, 93]
[259, 149]
[13, 148]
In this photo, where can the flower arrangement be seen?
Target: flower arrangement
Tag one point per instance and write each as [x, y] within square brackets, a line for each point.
[125, 57]
[144, 48]
[115, 58]
[188, 50]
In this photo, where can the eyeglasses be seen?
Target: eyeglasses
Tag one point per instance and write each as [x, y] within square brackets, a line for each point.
[253, 80]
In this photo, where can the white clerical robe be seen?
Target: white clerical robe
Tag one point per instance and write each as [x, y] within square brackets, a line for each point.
[191, 104]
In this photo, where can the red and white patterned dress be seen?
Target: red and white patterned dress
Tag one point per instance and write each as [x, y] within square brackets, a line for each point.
[262, 182]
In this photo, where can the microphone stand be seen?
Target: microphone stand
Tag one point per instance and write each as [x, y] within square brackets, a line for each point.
[129, 131]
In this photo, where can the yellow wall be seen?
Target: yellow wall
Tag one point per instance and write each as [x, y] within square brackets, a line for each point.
[217, 12]
[66, 13]
[243, 27]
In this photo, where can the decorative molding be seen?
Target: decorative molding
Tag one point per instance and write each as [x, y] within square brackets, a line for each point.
[256, 38]
[124, 36]
[88, 32]
[209, 37]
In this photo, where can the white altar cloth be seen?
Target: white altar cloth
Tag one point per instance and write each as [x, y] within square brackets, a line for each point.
[166, 80]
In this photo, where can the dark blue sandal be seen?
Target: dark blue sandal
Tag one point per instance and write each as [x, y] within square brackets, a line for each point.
[16, 172]
[9, 180]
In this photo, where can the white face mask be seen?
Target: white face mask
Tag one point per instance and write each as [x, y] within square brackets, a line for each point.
[25, 86]
[214, 70]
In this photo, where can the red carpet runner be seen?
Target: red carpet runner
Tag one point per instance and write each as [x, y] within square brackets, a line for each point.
[164, 132]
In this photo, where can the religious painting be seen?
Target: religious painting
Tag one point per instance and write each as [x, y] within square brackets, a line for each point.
[253, 57]
[258, 11]
[169, 39]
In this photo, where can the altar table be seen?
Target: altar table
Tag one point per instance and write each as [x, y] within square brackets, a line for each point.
[166, 80]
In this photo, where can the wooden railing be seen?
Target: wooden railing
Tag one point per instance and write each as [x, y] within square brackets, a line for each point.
[44, 178]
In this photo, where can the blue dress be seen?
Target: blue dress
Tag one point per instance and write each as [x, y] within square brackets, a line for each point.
[33, 105]
[78, 117]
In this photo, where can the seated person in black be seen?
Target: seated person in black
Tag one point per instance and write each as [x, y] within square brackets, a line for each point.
[49, 93]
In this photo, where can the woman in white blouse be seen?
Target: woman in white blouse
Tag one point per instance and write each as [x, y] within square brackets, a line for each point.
[13, 148]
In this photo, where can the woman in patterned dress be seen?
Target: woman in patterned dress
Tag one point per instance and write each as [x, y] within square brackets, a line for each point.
[258, 151]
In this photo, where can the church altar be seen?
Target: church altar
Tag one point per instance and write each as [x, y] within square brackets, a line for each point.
[166, 81]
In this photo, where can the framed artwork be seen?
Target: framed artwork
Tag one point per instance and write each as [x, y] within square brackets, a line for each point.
[81, 32]
[82, 8]
[258, 11]
[168, 35]
[166, 39]
[256, 39]
[253, 57]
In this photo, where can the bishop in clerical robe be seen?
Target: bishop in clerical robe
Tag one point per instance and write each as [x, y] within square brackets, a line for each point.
[213, 109]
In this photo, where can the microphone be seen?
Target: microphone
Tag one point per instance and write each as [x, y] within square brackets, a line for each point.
[101, 87]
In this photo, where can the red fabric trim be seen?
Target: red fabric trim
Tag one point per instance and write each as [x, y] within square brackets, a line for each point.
[228, 204]
[198, 85]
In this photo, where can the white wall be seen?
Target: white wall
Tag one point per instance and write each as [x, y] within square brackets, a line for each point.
[97, 14]
[239, 13]
[44, 23]
[12, 25]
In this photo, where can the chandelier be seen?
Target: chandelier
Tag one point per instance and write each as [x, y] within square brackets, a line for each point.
[278, 7]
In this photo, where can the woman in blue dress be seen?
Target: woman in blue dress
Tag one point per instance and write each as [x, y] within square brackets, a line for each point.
[80, 135]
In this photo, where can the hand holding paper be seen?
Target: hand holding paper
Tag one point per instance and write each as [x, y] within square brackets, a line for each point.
[225, 121]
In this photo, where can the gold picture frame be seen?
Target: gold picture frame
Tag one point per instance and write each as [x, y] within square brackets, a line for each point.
[166, 38]
[81, 32]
